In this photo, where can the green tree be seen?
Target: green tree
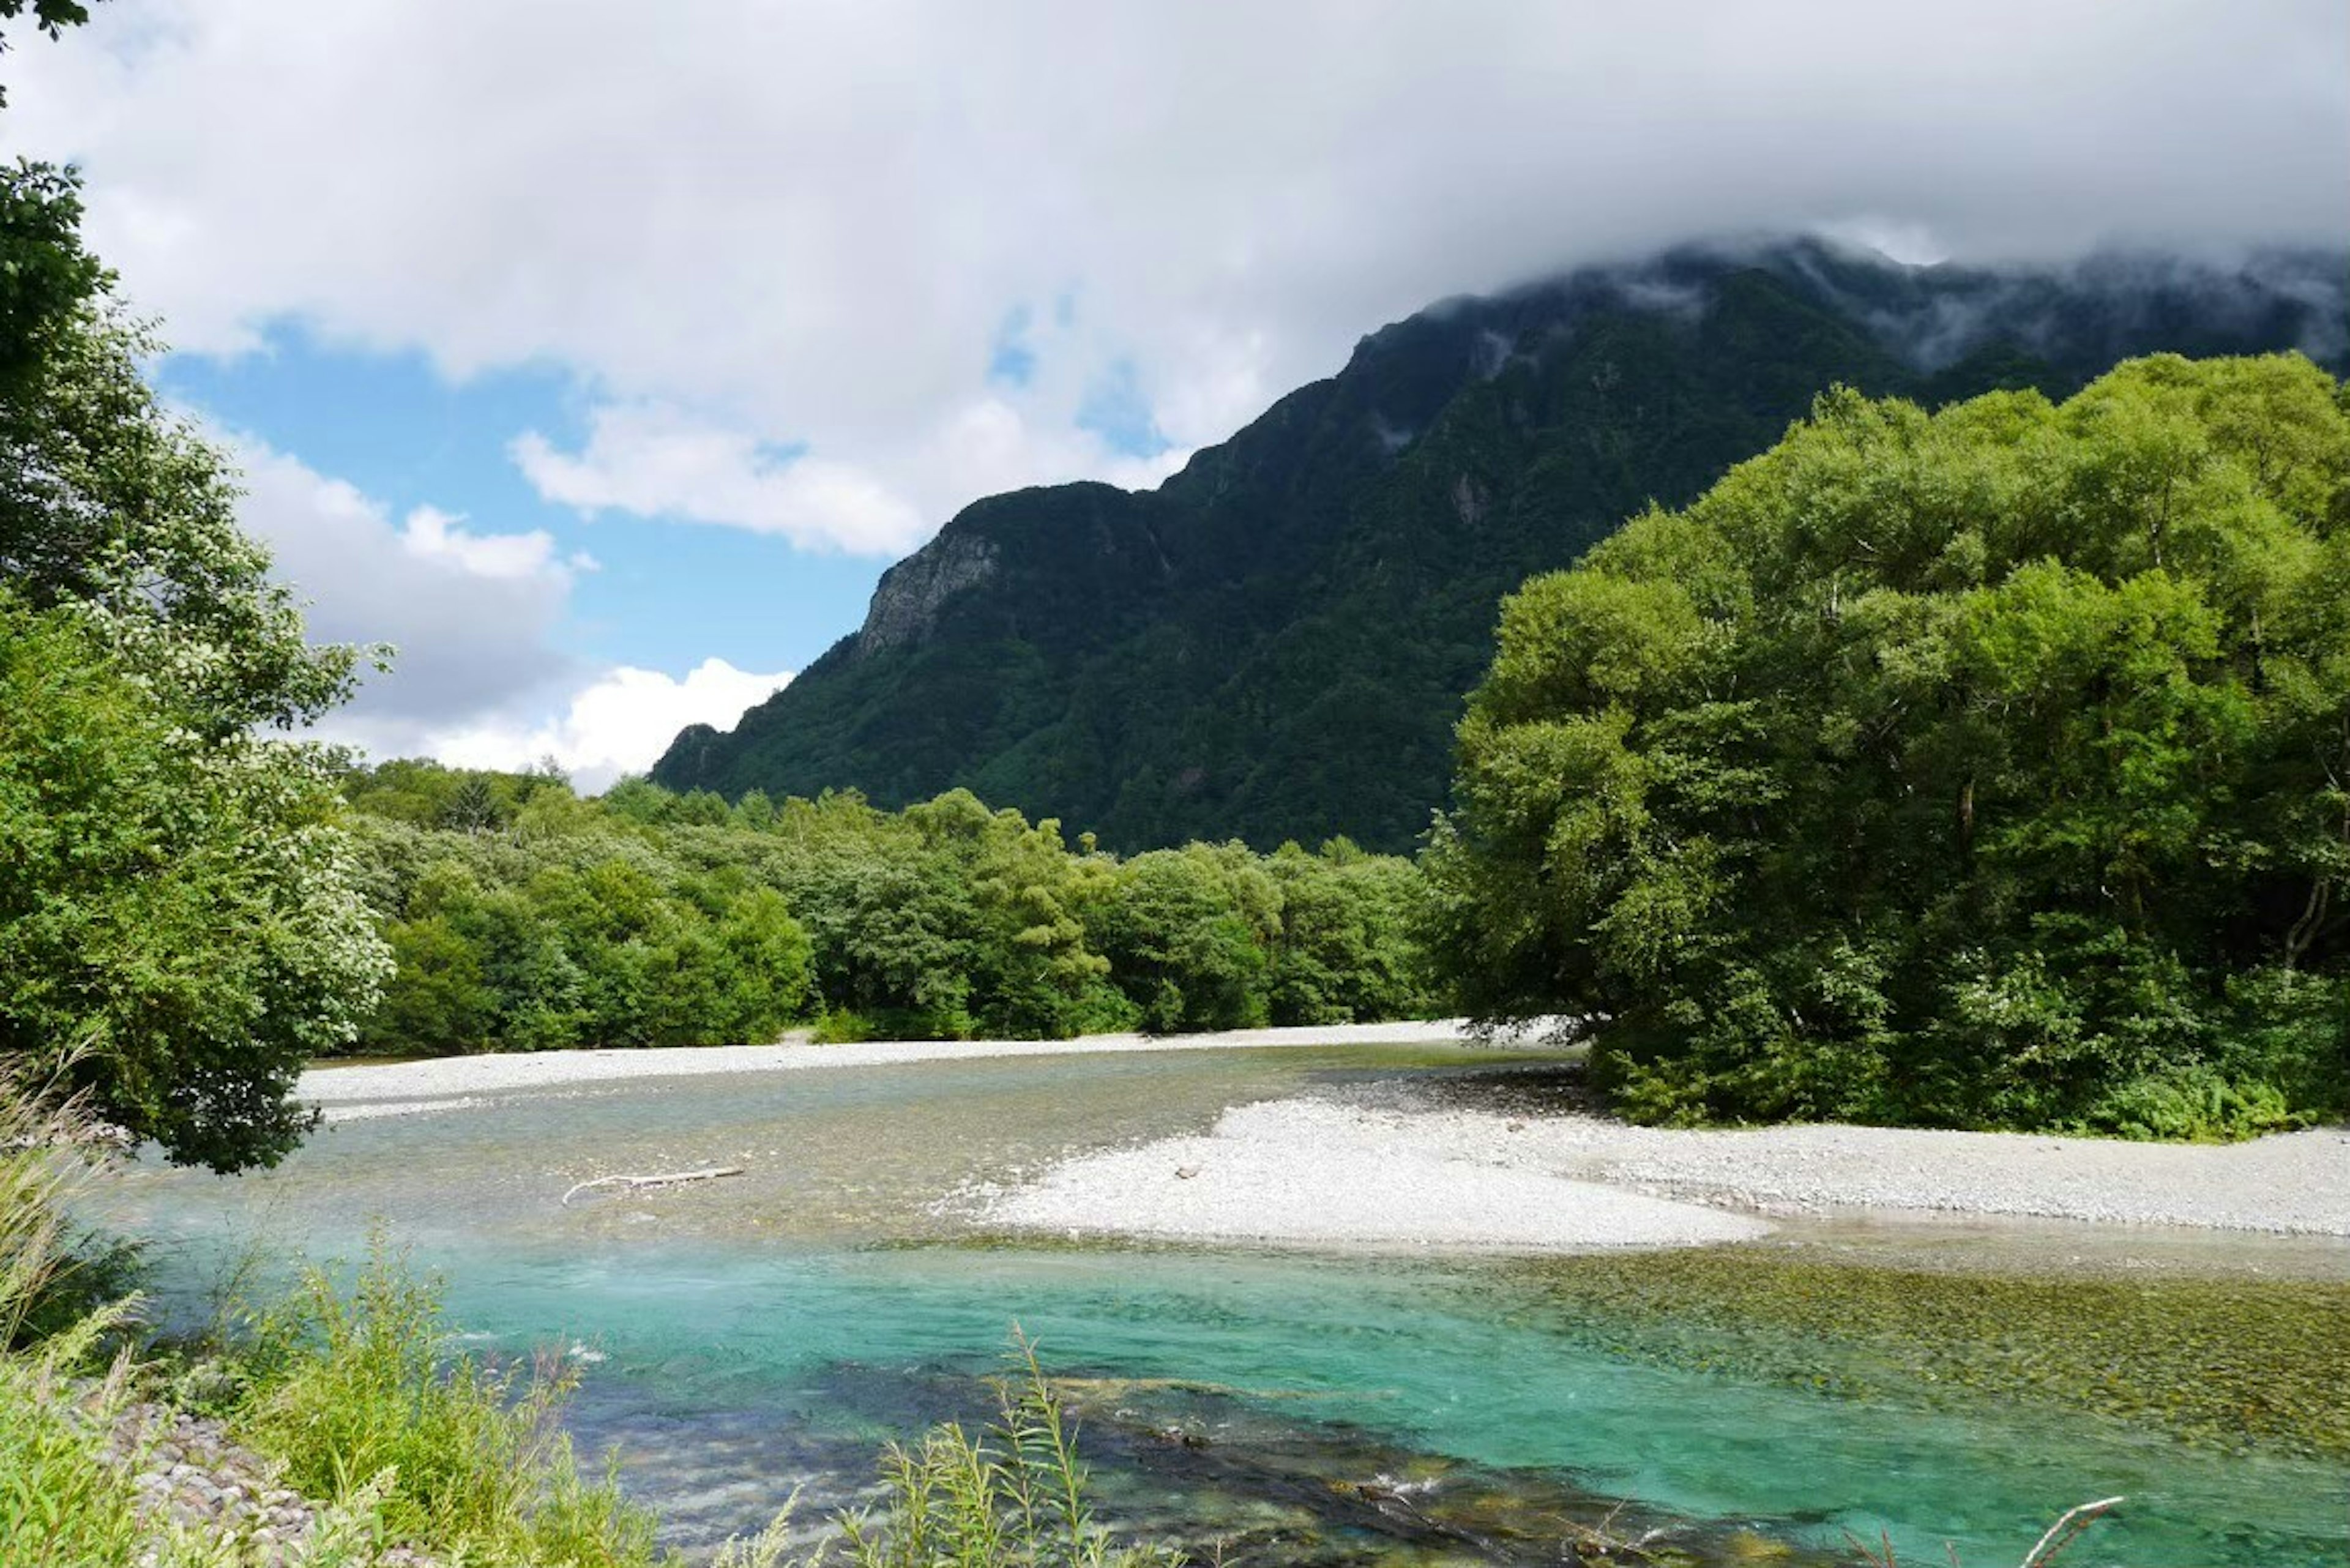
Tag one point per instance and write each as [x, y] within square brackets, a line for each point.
[46, 276]
[648, 920]
[1033, 972]
[1349, 949]
[110, 506]
[1186, 931]
[180, 926]
[1977, 768]
[438, 1000]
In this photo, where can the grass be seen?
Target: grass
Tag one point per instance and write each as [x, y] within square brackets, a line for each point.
[352, 1391]
[59, 1501]
[1014, 1496]
[350, 1388]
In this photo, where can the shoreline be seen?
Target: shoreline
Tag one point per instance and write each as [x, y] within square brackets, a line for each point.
[357, 1090]
[1400, 1165]
[1381, 1165]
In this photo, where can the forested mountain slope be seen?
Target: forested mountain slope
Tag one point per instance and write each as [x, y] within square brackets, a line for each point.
[1275, 643]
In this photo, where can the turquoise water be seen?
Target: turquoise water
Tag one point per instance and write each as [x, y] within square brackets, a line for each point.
[765, 1333]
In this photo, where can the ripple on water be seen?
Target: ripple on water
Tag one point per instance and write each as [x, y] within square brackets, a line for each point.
[772, 1329]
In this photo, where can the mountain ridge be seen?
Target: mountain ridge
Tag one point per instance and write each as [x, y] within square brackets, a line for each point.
[1274, 643]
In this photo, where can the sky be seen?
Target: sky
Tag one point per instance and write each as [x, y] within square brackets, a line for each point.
[600, 356]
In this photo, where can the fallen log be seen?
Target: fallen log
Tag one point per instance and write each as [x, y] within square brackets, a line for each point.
[638, 1183]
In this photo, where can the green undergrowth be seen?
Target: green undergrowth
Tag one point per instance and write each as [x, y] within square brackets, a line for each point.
[1013, 1496]
[350, 1388]
[353, 1388]
[67, 1375]
[2235, 1364]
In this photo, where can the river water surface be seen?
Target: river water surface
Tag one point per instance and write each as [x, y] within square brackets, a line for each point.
[1927, 1384]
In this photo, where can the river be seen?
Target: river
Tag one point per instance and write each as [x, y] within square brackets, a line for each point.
[1921, 1383]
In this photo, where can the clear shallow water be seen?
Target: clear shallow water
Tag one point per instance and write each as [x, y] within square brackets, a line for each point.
[768, 1331]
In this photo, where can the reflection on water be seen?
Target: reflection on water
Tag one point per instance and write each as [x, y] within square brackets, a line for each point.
[770, 1330]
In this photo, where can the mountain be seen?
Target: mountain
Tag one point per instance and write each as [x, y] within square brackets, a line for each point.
[1274, 644]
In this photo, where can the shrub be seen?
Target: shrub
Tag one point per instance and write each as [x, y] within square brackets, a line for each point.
[352, 1391]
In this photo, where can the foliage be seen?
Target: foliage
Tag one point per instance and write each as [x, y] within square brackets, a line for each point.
[1013, 1498]
[178, 926]
[651, 919]
[50, 18]
[59, 1503]
[46, 276]
[1187, 932]
[1350, 950]
[354, 1393]
[53, 1278]
[59, 1500]
[350, 1391]
[180, 930]
[1981, 768]
[1274, 644]
[114, 508]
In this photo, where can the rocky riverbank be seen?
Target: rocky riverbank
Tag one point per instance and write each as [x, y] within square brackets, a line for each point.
[193, 1479]
[1388, 1165]
[363, 1089]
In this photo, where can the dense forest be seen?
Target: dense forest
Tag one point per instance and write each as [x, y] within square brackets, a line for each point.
[1274, 644]
[523, 917]
[1984, 768]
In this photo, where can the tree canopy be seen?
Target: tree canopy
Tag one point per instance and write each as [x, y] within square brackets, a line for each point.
[180, 925]
[523, 918]
[1988, 767]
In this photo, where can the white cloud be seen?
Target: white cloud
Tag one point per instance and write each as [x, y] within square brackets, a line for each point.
[658, 462]
[1913, 244]
[472, 615]
[477, 680]
[619, 723]
[807, 224]
[433, 535]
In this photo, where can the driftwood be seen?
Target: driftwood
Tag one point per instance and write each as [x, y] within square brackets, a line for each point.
[2060, 1535]
[638, 1183]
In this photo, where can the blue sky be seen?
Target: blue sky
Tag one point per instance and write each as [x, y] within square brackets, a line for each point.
[603, 357]
[662, 596]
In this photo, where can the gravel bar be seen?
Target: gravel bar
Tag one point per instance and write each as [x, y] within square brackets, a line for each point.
[1370, 1166]
[459, 1082]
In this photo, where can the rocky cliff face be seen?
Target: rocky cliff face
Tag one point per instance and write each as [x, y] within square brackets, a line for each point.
[906, 603]
[1275, 643]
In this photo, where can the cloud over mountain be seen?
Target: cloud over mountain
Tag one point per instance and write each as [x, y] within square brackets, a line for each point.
[807, 227]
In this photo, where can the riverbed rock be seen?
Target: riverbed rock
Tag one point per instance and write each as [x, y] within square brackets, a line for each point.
[191, 1476]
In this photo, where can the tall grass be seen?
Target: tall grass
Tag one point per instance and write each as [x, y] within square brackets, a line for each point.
[1015, 1496]
[348, 1391]
[52, 1276]
[352, 1391]
[59, 1501]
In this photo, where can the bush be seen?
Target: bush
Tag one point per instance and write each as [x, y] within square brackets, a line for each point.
[1015, 1497]
[1979, 768]
[353, 1393]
